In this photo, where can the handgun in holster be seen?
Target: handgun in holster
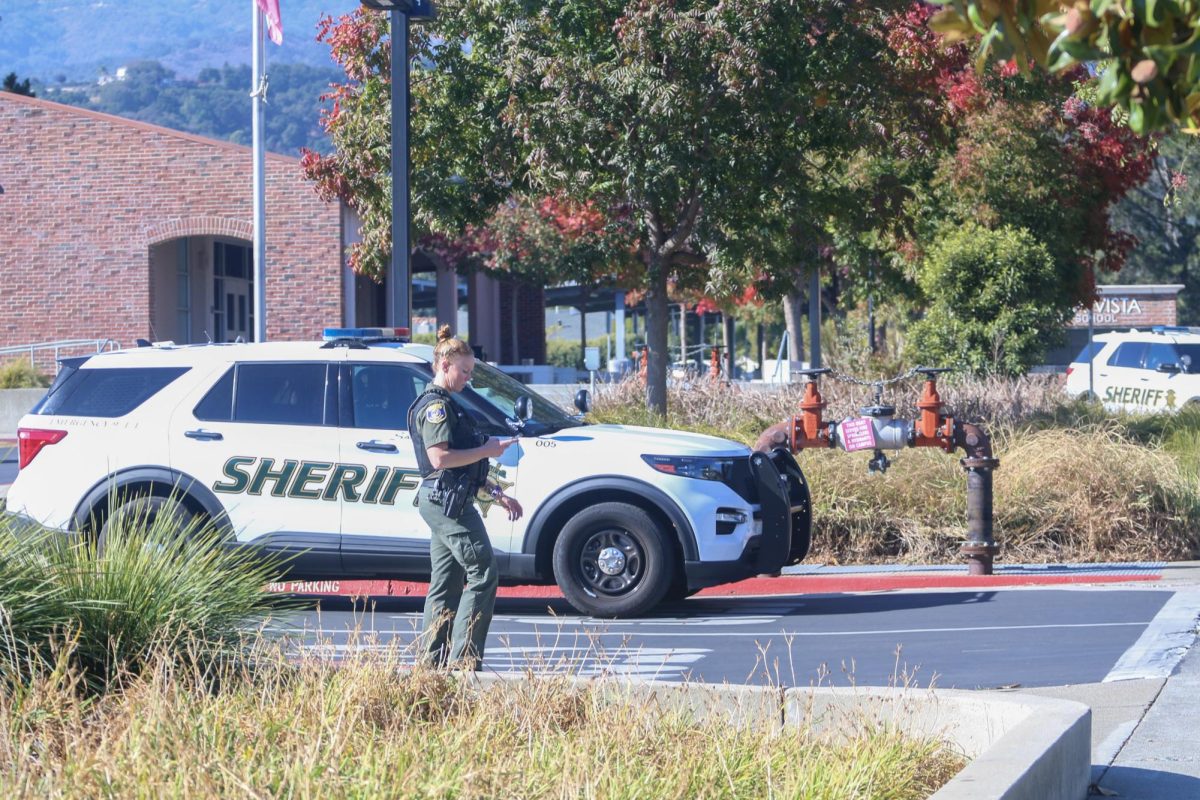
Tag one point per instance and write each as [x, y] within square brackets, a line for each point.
[457, 490]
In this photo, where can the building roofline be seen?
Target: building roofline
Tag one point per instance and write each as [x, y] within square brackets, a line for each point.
[1144, 288]
[132, 123]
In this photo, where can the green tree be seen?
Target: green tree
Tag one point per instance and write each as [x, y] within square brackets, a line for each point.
[1164, 215]
[1146, 50]
[16, 86]
[987, 312]
[680, 112]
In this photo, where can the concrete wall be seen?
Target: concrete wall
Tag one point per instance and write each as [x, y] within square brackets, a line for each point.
[14, 404]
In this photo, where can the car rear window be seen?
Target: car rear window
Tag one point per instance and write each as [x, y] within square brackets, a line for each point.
[106, 392]
[1088, 352]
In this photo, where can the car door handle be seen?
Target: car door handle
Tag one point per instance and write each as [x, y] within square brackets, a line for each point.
[203, 435]
[377, 447]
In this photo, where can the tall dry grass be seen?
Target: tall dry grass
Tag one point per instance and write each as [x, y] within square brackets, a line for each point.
[1074, 482]
[367, 729]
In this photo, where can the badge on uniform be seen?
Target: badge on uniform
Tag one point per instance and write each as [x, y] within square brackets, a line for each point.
[435, 413]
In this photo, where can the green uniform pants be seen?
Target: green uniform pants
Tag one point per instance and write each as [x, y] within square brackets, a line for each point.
[461, 553]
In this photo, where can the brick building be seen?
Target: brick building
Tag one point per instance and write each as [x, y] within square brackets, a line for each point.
[118, 229]
[1119, 307]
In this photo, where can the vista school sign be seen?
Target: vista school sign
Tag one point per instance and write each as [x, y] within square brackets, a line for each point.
[1130, 306]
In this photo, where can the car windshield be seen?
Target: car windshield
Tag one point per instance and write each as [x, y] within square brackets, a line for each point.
[493, 388]
[492, 399]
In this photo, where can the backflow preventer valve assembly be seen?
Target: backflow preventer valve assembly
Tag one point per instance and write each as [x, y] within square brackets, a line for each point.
[878, 430]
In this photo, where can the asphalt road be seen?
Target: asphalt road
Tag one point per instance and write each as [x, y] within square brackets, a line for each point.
[968, 639]
[8, 462]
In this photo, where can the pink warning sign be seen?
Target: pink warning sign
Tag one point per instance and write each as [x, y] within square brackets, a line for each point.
[857, 434]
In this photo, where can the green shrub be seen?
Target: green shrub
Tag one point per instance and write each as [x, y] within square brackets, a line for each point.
[21, 375]
[994, 302]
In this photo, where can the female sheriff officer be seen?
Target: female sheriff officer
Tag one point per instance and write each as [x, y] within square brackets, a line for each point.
[449, 452]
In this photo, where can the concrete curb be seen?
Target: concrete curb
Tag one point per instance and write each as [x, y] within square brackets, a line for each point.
[1021, 747]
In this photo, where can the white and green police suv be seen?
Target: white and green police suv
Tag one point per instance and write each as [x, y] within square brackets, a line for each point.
[302, 447]
[1157, 369]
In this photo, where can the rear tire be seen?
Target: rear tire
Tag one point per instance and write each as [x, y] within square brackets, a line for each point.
[613, 560]
[145, 510]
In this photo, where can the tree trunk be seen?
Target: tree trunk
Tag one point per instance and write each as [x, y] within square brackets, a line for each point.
[583, 304]
[657, 320]
[683, 347]
[512, 327]
[793, 310]
[727, 339]
[761, 348]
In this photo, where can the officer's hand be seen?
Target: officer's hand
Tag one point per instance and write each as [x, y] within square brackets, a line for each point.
[494, 447]
[513, 508]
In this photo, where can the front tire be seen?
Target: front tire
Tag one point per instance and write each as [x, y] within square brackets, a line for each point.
[613, 560]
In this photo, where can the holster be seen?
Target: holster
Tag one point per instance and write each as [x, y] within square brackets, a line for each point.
[457, 489]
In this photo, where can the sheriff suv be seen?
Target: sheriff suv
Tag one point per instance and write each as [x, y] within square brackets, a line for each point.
[302, 448]
[1157, 369]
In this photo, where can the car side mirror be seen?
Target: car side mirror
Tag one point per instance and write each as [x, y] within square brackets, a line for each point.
[523, 408]
[583, 401]
[1171, 368]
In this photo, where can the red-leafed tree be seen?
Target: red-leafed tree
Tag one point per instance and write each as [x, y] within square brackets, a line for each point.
[553, 240]
[1025, 153]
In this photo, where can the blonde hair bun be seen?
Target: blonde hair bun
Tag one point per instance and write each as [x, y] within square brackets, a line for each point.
[448, 346]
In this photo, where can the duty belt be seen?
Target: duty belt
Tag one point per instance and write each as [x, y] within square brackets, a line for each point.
[436, 495]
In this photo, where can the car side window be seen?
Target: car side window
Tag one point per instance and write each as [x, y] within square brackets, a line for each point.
[1161, 353]
[1129, 354]
[381, 394]
[282, 394]
[217, 405]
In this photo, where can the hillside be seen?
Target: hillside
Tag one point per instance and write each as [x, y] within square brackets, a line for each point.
[73, 40]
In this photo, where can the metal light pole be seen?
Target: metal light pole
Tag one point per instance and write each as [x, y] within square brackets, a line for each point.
[399, 296]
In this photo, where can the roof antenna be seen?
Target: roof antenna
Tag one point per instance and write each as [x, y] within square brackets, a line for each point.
[207, 336]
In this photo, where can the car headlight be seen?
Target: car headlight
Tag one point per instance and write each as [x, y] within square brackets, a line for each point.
[701, 467]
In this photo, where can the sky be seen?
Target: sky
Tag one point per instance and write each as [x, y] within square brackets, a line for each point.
[43, 39]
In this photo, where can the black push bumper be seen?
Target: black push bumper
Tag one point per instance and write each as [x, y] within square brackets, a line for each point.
[786, 516]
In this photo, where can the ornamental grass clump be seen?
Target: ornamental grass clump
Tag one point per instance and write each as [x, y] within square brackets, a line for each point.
[155, 586]
[368, 727]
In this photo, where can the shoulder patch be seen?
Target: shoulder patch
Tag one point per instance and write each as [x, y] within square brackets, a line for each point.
[436, 412]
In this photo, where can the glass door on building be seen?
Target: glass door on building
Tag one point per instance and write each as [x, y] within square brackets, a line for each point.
[233, 292]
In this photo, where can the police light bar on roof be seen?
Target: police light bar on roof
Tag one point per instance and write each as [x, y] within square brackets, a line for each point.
[331, 334]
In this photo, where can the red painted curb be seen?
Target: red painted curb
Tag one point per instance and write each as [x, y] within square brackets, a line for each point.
[783, 585]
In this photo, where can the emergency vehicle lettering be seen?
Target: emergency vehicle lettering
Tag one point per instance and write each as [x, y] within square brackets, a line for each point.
[376, 484]
[310, 472]
[280, 477]
[345, 479]
[1137, 396]
[238, 480]
[400, 479]
[315, 480]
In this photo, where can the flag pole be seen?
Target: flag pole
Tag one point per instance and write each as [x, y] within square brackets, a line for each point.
[257, 90]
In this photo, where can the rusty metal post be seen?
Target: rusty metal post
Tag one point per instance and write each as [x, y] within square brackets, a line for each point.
[980, 548]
